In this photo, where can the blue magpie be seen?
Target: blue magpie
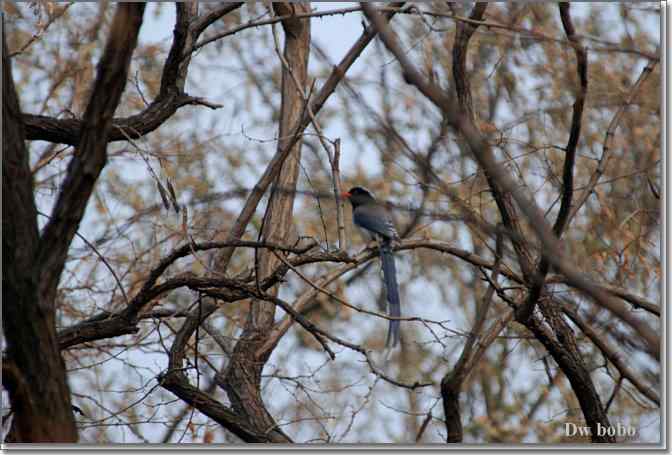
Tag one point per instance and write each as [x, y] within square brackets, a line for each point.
[374, 220]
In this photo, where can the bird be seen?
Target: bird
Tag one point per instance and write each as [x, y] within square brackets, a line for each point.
[374, 220]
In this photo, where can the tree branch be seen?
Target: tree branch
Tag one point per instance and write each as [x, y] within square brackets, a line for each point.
[451, 384]
[482, 153]
[91, 155]
[526, 310]
[612, 354]
[171, 95]
[274, 166]
[174, 380]
[37, 384]
[609, 137]
[243, 377]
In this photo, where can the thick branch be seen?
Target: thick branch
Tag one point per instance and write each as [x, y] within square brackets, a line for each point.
[613, 354]
[578, 376]
[177, 382]
[274, 166]
[37, 386]
[463, 33]
[526, 310]
[243, 377]
[171, 95]
[91, 154]
[482, 153]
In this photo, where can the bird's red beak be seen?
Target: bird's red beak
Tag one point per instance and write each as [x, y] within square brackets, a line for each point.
[345, 194]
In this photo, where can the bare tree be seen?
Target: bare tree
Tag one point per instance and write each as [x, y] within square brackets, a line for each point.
[176, 263]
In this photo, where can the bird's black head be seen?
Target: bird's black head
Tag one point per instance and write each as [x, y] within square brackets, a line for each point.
[358, 195]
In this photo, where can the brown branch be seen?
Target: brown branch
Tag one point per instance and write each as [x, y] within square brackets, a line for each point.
[271, 21]
[482, 153]
[633, 299]
[37, 385]
[274, 166]
[333, 158]
[451, 384]
[525, 33]
[91, 155]
[612, 354]
[525, 311]
[609, 137]
[108, 325]
[243, 377]
[578, 376]
[617, 388]
[205, 21]
[463, 33]
[336, 182]
[171, 95]
[577, 113]
[68, 131]
[175, 380]
[173, 76]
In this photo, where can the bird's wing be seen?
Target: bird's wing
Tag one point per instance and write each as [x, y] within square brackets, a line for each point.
[374, 218]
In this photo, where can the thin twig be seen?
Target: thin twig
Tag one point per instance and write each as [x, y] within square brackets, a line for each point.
[482, 153]
[338, 190]
[609, 137]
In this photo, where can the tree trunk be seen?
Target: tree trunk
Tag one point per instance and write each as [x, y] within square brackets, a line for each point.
[244, 373]
[35, 374]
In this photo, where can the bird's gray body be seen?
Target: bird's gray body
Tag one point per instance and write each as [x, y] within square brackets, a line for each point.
[375, 222]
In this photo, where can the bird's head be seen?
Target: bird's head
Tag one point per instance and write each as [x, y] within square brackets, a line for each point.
[358, 195]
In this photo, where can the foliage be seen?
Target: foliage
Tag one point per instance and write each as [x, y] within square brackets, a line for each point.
[185, 183]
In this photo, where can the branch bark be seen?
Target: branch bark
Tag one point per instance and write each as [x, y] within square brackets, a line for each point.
[274, 166]
[463, 33]
[38, 388]
[175, 380]
[243, 377]
[451, 384]
[550, 247]
[171, 94]
[525, 311]
[613, 354]
[90, 156]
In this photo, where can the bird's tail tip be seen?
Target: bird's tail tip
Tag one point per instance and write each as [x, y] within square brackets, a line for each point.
[393, 335]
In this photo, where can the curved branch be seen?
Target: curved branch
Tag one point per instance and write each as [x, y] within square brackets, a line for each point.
[609, 137]
[575, 129]
[174, 380]
[107, 325]
[90, 156]
[482, 153]
[171, 95]
[612, 354]
[463, 33]
[525, 311]
[275, 165]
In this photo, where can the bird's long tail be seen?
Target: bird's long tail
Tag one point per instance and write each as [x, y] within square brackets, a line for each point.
[392, 288]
